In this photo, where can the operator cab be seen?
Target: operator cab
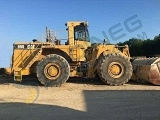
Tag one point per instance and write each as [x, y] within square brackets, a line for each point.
[78, 34]
[81, 32]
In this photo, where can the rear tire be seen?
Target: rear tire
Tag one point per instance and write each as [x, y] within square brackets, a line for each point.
[53, 70]
[114, 69]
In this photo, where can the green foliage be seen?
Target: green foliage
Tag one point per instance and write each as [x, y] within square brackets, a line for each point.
[140, 47]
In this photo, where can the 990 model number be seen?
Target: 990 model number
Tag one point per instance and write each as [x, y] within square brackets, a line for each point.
[26, 46]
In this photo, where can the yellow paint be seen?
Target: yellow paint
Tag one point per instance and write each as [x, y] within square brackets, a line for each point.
[25, 59]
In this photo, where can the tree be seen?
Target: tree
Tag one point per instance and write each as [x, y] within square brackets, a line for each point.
[140, 47]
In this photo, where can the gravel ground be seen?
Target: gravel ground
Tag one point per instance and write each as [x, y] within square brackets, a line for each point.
[78, 99]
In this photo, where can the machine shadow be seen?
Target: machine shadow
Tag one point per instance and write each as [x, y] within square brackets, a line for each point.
[23, 111]
[90, 81]
[100, 104]
[33, 81]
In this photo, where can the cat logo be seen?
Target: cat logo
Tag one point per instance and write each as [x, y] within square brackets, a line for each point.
[30, 46]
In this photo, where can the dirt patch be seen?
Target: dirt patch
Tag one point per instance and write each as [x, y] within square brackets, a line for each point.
[78, 99]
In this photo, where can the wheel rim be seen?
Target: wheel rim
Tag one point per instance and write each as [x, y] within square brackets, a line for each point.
[115, 69]
[52, 71]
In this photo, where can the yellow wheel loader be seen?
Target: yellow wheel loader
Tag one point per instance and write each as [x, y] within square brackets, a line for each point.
[54, 61]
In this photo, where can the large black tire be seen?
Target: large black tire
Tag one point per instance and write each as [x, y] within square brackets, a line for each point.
[53, 70]
[114, 69]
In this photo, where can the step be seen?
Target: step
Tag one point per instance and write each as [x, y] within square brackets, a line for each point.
[18, 74]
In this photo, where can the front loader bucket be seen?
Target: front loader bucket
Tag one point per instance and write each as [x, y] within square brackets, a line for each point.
[146, 70]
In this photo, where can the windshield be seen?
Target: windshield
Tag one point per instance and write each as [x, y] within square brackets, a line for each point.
[81, 33]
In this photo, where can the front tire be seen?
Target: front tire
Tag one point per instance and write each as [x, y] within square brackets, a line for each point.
[114, 69]
[53, 70]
